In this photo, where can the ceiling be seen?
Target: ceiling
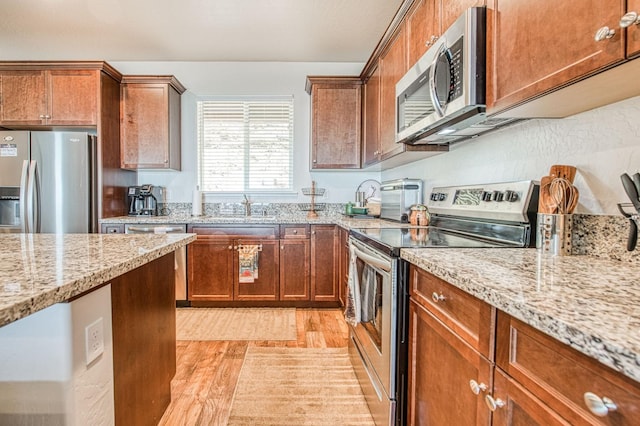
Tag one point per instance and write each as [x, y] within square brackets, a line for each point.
[194, 30]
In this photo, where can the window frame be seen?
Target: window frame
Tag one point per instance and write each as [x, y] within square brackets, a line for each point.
[246, 98]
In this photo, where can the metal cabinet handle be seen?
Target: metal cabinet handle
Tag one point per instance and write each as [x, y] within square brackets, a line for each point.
[42, 116]
[431, 40]
[230, 247]
[604, 33]
[281, 247]
[477, 387]
[437, 297]
[492, 403]
[629, 19]
[599, 406]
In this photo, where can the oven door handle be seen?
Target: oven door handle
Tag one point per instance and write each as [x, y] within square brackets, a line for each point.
[372, 260]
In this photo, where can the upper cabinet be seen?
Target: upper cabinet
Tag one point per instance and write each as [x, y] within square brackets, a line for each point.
[633, 29]
[371, 120]
[336, 111]
[423, 28]
[534, 47]
[150, 122]
[56, 97]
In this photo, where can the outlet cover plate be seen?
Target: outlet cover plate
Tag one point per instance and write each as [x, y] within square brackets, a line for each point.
[94, 340]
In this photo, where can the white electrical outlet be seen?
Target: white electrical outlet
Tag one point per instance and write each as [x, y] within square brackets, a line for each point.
[94, 340]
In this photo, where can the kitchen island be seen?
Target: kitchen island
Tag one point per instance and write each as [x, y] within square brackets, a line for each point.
[87, 327]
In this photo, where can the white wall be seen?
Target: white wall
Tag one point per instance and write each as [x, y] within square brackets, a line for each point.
[248, 78]
[602, 144]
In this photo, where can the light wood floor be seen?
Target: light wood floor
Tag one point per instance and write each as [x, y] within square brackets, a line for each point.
[207, 372]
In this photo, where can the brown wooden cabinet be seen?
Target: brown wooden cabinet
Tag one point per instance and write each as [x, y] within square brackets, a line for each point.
[150, 122]
[560, 376]
[633, 32]
[423, 28]
[295, 263]
[526, 56]
[336, 104]
[55, 97]
[371, 120]
[324, 263]
[213, 264]
[441, 365]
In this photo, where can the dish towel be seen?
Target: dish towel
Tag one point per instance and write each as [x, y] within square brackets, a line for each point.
[353, 309]
[248, 256]
[369, 291]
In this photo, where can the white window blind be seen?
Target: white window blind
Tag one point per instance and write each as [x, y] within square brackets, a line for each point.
[245, 145]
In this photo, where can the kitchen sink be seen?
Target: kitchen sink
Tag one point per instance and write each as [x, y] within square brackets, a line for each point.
[233, 218]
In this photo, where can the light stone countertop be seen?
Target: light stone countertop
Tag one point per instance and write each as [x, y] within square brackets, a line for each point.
[39, 270]
[589, 303]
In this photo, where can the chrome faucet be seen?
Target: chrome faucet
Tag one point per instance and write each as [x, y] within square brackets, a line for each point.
[247, 205]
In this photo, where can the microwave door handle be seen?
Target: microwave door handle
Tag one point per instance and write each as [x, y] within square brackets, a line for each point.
[24, 183]
[432, 81]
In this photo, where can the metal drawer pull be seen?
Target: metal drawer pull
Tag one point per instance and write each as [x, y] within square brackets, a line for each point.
[629, 19]
[599, 406]
[604, 33]
[493, 404]
[437, 297]
[477, 387]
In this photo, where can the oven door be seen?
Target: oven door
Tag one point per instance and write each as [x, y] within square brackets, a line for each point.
[374, 335]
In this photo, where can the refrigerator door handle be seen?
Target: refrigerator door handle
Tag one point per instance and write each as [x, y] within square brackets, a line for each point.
[33, 198]
[24, 182]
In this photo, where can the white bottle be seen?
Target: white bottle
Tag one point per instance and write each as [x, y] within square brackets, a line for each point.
[196, 204]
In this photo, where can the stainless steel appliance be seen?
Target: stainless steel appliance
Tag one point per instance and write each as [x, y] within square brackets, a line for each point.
[143, 200]
[48, 182]
[441, 99]
[473, 216]
[397, 197]
[181, 253]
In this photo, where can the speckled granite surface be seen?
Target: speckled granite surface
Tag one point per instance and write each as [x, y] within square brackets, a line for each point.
[591, 304]
[39, 270]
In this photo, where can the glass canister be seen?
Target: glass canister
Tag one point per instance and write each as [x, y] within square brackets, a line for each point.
[419, 215]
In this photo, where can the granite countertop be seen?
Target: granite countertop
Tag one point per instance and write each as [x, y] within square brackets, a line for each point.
[342, 220]
[39, 270]
[589, 303]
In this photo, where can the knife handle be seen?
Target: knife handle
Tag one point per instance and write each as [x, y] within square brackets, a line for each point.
[633, 235]
[630, 189]
[636, 181]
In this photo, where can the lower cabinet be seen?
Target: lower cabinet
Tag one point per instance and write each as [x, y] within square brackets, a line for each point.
[324, 263]
[219, 269]
[296, 264]
[530, 379]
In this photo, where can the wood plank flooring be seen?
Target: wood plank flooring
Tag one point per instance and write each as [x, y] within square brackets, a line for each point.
[207, 372]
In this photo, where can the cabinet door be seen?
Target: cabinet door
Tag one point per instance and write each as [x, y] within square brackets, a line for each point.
[633, 32]
[423, 28]
[145, 126]
[294, 269]
[335, 134]
[324, 263]
[73, 97]
[22, 98]
[264, 286]
[452, 9]
[393, 65]
[210, 268]
[520, 407]
[371, 136]
[440, 368]
[536, 46]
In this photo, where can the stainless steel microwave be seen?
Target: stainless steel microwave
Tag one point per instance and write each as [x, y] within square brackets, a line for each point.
[441, 99]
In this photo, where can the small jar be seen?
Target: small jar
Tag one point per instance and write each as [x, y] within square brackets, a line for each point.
[419, 215]
[348, 208]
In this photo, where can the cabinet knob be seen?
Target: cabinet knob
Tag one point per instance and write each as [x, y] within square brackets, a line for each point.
[315, 161]
[42, 116]
[599, 406]
[295, 231]
[629, 19]
[604, 33]
[431, 40]
[281, 247]
[437, 297]
[477, 387]
[493, 404]
[231, 247]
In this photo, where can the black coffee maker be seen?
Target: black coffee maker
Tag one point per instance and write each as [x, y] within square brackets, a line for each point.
[141, 201]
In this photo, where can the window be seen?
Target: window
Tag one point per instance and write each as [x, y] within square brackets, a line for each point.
[245, 144]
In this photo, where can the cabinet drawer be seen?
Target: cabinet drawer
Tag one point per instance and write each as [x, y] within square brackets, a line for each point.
[294, 231]
[472, 319]
[560, 376]
[262, 232]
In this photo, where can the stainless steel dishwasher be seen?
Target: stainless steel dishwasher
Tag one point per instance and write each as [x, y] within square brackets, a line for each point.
[181, 253]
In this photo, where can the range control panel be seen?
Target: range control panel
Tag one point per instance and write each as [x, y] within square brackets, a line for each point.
[508, 201]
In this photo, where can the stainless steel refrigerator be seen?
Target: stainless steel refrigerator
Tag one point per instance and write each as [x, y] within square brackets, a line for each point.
[48, 182]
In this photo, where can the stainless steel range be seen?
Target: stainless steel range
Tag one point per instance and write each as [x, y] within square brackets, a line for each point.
[473, 216]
